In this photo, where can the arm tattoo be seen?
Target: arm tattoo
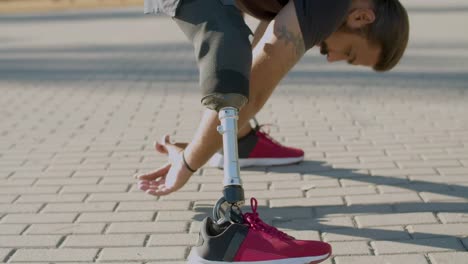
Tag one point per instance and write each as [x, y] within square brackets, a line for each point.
[295, 39]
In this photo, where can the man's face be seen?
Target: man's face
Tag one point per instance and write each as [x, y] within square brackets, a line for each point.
[345, 45]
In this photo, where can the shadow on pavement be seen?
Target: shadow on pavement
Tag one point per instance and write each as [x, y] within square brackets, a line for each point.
[319, 215]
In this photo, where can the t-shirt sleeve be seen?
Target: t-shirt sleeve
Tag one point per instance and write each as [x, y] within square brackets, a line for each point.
[318, 19]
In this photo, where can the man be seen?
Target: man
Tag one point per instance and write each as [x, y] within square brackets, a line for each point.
[372, 33]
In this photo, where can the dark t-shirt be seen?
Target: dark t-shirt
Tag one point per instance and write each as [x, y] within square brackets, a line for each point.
[318, 19]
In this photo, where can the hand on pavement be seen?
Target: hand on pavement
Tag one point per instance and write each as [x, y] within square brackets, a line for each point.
[170, 177]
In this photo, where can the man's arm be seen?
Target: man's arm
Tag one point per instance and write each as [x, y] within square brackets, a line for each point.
[259, 32]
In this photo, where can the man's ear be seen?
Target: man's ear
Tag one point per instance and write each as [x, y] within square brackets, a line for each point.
[360, 18]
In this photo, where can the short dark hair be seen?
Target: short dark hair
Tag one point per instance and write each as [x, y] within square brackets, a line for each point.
[390, 31]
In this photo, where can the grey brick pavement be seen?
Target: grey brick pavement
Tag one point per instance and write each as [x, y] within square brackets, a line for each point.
[83, 96]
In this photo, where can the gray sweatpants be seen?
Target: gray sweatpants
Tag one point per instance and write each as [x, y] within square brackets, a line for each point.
[220, 39]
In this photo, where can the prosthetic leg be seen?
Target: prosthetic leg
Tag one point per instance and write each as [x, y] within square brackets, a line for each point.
[227, 208]
[234, 237]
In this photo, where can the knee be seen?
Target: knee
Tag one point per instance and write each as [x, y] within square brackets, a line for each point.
[217, 101]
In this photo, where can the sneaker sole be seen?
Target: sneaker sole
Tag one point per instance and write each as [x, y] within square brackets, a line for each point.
[217, 161]
[195, 259]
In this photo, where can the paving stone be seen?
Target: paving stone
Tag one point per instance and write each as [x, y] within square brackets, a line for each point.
[352, 210]
[417, 246]
[175, 216]
[355, 234]
[430, 164]
[395, 259]
[445, 196]
[415, 187]
[272, 176]
[341, 191]
[42, 229]
[173, 240]
[29, 190]
[118, 180]
[140, 253]
[395, 219]
[350, 248]
[449, 258]
[104, 173]
[42, 175]
[100, 241]
[12, 229]
[67, 181]
[454, 217]
[382, 198]
[111, 197]
[51, 198]
[20, 208]
[115, 217]
[306, 202]
[29, 241]
[403, 172]
[39, 218]
[17, 182]
[314, 224]
[54, 255]
[94, 188]
[153, 206]
[453, 171]
[435, 230]
[303, 234]
[440, 179]
[148, 227]
[79, 207]
[361, 180]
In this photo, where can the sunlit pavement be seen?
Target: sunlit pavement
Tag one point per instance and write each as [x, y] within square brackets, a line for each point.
[83, 95]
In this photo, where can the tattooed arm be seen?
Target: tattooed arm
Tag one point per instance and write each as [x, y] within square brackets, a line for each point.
[280, 48]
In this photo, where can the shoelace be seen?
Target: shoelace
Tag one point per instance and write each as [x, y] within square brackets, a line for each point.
[264, 131]
[253, 221]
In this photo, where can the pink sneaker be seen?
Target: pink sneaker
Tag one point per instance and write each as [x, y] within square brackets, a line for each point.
[258, 148]
[254, 242]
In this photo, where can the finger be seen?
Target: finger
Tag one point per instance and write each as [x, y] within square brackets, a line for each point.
[160, 148]
[160, 192]
[143, 187]
[154, 185]
[151, 176]
[150, 184]
[173, 149]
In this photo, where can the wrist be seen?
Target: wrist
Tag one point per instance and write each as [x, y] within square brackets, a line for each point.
[186, 164]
